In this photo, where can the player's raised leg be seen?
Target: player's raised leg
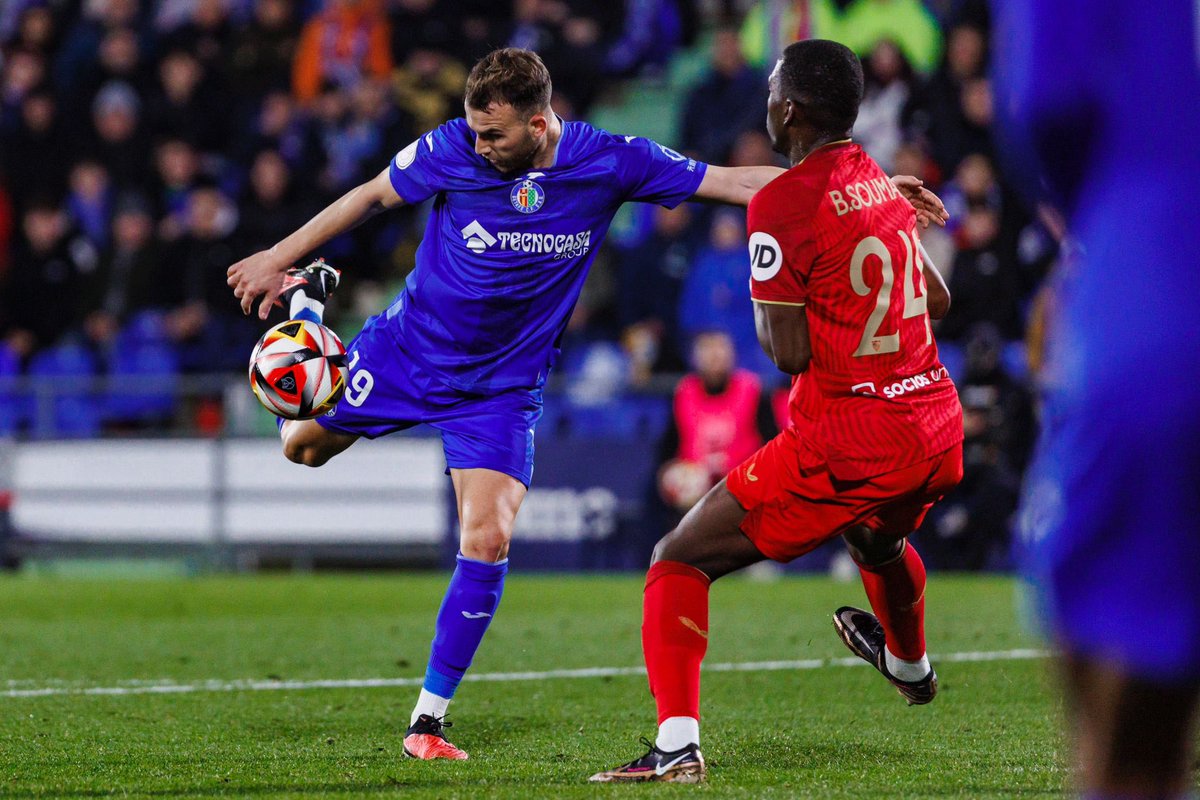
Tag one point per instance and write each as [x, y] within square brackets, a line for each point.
[706, 545]
[306, 290]
[487, 507]
[893, 638]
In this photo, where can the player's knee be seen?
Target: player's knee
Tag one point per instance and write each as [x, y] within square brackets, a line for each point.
[486, 543]
[870, 548]
[310, 455]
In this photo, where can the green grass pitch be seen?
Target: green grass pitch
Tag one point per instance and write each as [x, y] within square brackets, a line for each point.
[830, 731]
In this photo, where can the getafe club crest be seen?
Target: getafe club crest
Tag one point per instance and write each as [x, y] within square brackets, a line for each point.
[527, 197]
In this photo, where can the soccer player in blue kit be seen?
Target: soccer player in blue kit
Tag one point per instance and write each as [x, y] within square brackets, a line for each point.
[522, 202]
[1101, 104]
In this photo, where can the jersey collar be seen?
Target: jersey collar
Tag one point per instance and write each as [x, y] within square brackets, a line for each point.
[823, 147]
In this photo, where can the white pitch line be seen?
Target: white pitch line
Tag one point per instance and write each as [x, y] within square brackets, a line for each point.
[152, 687]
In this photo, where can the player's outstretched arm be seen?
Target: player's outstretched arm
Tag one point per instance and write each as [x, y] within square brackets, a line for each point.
[261, 275]
[735, 185]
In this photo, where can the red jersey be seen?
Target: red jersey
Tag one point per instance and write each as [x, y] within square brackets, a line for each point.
[834, 235]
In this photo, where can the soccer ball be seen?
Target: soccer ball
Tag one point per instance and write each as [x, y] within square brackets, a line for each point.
[298, 369]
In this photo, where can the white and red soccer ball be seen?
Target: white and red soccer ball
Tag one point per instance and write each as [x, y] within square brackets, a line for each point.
[298, 369]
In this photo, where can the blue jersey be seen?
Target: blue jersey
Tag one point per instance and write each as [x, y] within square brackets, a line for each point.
[1101, 109]
[504, 257]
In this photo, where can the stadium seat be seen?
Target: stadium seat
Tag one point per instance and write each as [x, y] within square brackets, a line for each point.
[954, 358]
[73, 412]
[1015, 359]
[14, 407]
[143, 372]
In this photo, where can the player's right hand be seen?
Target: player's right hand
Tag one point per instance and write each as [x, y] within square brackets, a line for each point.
[259, 275]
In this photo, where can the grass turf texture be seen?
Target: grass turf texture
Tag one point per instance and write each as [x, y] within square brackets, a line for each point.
[827, 732]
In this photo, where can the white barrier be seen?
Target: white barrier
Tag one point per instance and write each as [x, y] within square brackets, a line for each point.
[235, 491]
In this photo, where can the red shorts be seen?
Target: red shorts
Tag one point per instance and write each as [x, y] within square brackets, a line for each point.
[791, 510]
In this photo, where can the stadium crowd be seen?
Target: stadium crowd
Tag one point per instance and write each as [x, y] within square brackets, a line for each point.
[145, 147]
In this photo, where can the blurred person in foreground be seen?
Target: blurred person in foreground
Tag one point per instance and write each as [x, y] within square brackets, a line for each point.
[1109, 515]
[524, 199]
[841, 302]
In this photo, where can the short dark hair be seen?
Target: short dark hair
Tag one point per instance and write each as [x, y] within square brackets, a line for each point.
[513, 76]
[827, 79]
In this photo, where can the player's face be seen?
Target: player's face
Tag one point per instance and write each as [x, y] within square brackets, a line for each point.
[507, 141]
[776, 110]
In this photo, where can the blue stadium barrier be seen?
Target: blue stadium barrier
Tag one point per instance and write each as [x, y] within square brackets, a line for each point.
[73, 411]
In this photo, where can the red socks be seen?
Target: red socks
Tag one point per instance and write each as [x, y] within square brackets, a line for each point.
[897, 594]
[675, 636]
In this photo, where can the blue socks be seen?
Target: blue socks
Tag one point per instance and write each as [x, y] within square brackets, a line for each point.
[308, 314]
[467, 609]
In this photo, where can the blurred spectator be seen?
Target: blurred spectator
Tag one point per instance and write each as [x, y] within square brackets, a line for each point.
[43, 295]
[970, 528]
[879, 128]
[90, 201]
[23, 72]
[650, 277]
[271, 208]
[31, 148]
[220, 335]
[728, 101]
[984, 286]
[752, 149]
[121, 58]
[346, 42]
[938, 113]
[428, 86]
[721, 416]
[6, 232]
[131, 277]
[187, 105]
[36, 29]
[279, 125]
[716, 292]
[263, 51]
[202, 28]
[79, 53]
[178, 171]
[119, 140]
[976, 185]
[417, 24]
[570, 39]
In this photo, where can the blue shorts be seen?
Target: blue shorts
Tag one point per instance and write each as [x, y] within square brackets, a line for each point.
[387, 392]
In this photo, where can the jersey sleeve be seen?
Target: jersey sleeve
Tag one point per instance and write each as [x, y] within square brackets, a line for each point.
[653, 173]
[426, 166]
[782, 251]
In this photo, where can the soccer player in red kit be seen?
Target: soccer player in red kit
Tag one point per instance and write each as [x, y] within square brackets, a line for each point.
[842, 302]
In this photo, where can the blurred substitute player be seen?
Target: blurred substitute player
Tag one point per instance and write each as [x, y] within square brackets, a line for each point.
[876, 438]
[1101, 104]
[522, 202]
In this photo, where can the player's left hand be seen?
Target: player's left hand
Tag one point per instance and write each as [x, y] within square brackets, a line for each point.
[928, 205]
